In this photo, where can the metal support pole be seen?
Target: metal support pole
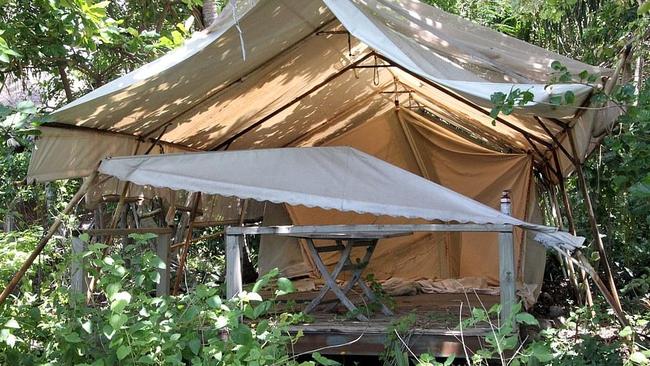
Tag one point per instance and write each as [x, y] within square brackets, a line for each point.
[506, 264]
[233, 265]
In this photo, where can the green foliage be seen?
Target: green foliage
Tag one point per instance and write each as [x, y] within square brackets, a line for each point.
[79, 45]
[506, 103]
[127, 325]
[15, 247]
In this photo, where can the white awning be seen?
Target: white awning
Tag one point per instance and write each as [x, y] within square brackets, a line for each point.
[338, 178]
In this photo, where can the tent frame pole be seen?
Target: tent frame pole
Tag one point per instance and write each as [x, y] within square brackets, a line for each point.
[48, 235]
[568, 210]
[465, 101]
[600, 247]
[225, 144]
[186, 244]
[573, 279]
[555, 138]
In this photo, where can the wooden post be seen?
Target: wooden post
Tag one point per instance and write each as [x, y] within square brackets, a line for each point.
[233, 265]
[78, 283]
[162, 250]
[506, 264]
[43, 242]
[186, 245]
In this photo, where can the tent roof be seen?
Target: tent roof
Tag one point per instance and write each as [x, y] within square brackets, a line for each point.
[276, 73]
[339, 178]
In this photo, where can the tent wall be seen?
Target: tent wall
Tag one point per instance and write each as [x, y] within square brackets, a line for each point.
[68, 153]
[421, 146]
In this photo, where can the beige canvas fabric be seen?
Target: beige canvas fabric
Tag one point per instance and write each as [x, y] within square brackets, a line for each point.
[286, 80]
[212, 89]
[451, 161]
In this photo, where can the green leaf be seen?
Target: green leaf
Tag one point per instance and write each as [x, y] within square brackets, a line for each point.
[214, 302]
[112, 289]
[154, 276]
[323, 360]
[639, 358]
[556, 65]
[195, 345]
[250, 296]
[285, 286]
[644, 8]
[569, 97]
[12, 323]
[541, 352]
[526, 318]
[120, 301]
[139, 279]
[117, 320]
[87, 326]
[625, 332]
[123, 351]
[108, 331]
[158, 263]
[72, 338]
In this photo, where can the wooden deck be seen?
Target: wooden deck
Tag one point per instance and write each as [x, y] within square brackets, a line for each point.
[435, 319]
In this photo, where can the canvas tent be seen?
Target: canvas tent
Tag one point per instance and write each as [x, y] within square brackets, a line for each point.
[397, 79]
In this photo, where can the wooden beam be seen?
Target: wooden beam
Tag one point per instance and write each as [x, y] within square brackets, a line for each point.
[233, 265]
[127, 231]
[48, 235]
[583, 262]
[554, 138]
[507, 276]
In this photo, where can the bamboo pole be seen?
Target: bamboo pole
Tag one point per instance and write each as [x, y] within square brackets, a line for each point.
[186, 245]
[583, 262]
[582, 183]
[572, 226]
[573, 278]
[44, 240]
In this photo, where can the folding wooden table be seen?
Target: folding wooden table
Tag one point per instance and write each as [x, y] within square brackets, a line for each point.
[344, 242]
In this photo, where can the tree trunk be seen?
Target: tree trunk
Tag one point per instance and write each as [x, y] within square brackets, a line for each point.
[66, 82]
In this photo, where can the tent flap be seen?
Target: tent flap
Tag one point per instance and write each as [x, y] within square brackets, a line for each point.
[338, 178]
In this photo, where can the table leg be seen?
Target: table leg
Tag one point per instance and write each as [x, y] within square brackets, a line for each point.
[330, 279]
[356, 278]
